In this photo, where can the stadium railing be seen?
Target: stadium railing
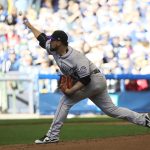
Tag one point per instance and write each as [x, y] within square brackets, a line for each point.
[18, 77]
[108, 76]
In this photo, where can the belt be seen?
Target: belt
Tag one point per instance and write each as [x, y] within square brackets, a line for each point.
[95, 71]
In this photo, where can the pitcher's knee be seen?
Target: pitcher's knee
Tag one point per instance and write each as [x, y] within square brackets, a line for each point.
[66, 106]
[118, 112]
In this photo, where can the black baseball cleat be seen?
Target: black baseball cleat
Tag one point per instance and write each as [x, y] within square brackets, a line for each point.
[45, 140]
[147, 120]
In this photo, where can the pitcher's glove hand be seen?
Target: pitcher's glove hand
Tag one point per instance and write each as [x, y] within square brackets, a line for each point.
[66, 82]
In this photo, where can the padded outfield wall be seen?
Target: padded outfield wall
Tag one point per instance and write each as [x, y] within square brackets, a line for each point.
[137, 101]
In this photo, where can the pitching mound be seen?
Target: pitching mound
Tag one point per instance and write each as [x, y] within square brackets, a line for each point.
[141, 142]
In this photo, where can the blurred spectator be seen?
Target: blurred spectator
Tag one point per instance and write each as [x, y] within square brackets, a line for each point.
[116, 45]
[12, 64]
[4, 3]
[136, 85]
[108, 55]
[23, 5]
[3, 13]
[46, 3]
[11, 19]
[46, 85]
[12, 38]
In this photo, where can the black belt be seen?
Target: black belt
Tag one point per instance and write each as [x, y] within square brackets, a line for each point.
[95, 71]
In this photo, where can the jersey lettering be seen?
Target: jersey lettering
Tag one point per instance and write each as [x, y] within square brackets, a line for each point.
[83, 71]
[65, 68]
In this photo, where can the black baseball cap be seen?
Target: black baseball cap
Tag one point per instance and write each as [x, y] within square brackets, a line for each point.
[60, 36]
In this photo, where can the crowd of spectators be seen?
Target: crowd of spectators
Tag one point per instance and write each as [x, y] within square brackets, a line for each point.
[115, 36]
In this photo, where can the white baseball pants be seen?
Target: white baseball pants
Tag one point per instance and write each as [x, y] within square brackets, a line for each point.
[96, 91]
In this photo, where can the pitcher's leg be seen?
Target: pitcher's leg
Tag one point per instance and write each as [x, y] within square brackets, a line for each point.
[104, 102]
[60, 116]
[62, 111]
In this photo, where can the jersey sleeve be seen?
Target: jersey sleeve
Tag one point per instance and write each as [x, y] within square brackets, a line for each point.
[42, 38]
[44, 42]
[82, 65]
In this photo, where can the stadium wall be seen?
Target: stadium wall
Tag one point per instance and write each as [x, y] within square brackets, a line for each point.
[137, 101]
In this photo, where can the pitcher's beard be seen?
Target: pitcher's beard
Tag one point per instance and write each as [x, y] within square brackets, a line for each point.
[53, 49]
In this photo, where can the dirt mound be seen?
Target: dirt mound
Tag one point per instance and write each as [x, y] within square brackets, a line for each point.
[141, 142]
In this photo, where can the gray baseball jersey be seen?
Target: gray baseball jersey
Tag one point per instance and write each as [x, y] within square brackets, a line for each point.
[77, 65]
[73, 63]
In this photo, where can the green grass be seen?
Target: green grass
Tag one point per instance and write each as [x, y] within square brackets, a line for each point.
[26, 131]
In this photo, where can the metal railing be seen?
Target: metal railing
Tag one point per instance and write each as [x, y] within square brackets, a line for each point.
[5, 92]
[29, 98]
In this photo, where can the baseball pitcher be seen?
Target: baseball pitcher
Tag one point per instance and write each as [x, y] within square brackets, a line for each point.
[89, 82]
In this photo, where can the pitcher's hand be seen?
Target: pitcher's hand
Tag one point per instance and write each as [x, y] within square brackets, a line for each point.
[25, 19]
[26, 22]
